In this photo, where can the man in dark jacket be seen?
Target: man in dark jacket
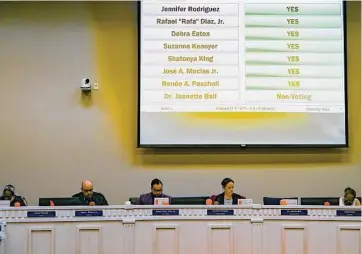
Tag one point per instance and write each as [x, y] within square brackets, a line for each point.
[9, 194]
[89, 197]
[156, 192]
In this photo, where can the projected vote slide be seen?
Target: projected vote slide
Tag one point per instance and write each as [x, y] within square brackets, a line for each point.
[242, 73]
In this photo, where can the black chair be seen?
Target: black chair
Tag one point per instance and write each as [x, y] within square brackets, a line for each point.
[319, 200]
[133, 200]
[59, 201]
[274, 201]
[189, 200]
[179, 200]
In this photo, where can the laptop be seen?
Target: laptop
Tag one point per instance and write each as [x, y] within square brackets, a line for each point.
[4, 203]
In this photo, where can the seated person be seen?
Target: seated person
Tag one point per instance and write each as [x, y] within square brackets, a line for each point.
[156, 192]
[228, 197]
[89, 197]
[349, 198]
[9, 194]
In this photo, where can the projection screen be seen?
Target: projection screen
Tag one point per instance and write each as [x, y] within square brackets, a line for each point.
[242, 73]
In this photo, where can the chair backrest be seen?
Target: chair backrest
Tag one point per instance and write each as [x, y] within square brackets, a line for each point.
[274, 200]
[59, 201]
[179, 200]
[319, 200]
[133, 200]
[189, 200]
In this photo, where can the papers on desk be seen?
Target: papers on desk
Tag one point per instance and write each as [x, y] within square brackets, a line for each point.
[162, 201]
[4, 203]
[246, 201]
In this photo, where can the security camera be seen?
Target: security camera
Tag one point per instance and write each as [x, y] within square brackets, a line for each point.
[86, 86]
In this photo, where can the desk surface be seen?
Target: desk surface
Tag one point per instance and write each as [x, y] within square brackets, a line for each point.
[253, 229]
[172, 212]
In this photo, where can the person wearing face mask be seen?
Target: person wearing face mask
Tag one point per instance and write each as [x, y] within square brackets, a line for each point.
[228, 197]
[349, 198]
[15, 199]
[156, 192]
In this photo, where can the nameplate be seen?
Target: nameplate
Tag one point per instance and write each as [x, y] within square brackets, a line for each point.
[220, 212]
[165, 212]
[88, 213]
[41, 214]
[245, 202]
[161, 201]
[348, 213]
[294, 212]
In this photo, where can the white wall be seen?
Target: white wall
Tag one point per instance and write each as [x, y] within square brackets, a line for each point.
[50, 140]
